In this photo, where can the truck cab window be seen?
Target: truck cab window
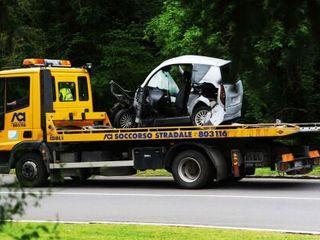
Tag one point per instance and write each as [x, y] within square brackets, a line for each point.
[83, 89]
[18, 90]
[67, 91]
[1, 103]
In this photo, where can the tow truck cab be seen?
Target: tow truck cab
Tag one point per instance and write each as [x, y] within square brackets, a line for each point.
[27, 93]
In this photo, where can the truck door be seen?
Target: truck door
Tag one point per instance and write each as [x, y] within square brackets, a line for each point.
[15, 111]
[2, 96]
[3, 155]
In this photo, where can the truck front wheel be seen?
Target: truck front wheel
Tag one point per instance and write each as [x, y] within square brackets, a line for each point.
[31, 171]
[191, 169]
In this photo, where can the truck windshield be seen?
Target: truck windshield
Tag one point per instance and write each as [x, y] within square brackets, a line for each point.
[17, 93]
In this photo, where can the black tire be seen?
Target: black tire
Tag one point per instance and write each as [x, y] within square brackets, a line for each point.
[31, 171]
[197, 112]
[191, 169]
[124, 119]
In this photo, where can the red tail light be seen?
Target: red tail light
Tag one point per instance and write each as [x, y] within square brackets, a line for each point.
[222, 95]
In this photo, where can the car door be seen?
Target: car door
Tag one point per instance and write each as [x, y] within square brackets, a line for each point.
[158, 88]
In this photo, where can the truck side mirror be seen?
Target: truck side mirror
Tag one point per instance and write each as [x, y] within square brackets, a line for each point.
[88, 66]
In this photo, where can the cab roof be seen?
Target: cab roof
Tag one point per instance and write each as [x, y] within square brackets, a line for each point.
[37, 69]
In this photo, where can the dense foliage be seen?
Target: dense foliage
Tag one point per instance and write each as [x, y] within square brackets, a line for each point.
[274, 45]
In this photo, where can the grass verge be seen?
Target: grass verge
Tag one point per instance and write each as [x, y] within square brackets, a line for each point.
[126, 232]
[259, 172]
[268, 172]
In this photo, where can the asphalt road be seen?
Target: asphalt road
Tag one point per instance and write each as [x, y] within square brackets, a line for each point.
[279, 204]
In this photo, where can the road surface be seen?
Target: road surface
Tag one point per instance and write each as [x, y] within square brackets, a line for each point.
[278, 204]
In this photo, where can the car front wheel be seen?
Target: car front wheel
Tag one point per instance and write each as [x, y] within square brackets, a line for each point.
[124, 119]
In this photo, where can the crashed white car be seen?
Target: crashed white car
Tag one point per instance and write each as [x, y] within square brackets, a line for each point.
[186, 90]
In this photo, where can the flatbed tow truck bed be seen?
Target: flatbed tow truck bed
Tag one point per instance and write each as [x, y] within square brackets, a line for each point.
[234, 150]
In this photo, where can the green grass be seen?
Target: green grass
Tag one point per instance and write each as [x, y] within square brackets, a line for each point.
[132, 232]
[154, 173]
[268, 172]
[259, 172]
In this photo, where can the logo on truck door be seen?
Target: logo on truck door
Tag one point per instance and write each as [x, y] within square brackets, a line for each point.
[18, 119]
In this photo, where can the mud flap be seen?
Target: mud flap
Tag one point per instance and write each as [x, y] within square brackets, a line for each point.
[4, 162]
[4, 169]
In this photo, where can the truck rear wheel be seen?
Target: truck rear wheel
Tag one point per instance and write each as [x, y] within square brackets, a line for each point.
[191, 169]
[31, 171]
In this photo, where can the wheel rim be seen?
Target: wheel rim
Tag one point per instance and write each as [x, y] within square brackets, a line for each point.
[126, 120]
[189, 169]
[200, 117]
[29, 170]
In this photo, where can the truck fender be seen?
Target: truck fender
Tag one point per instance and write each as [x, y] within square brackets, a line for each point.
[27, 147]
[219, 162]
[213, 154]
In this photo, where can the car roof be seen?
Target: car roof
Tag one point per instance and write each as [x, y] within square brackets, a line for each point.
[188, 59]
[196, 59]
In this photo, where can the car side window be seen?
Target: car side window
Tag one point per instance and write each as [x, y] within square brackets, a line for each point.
[18, 90]
[198, 72]
[67, 91]
[227, 74]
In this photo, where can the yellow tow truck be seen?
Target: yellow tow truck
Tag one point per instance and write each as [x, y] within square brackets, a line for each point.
[48, 128]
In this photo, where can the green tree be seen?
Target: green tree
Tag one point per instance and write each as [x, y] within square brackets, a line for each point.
[273, 45]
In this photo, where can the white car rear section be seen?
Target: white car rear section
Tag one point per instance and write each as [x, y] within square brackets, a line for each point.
[233, 100]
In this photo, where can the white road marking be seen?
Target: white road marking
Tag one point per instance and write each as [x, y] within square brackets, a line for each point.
[170, 225]
[161, 195]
